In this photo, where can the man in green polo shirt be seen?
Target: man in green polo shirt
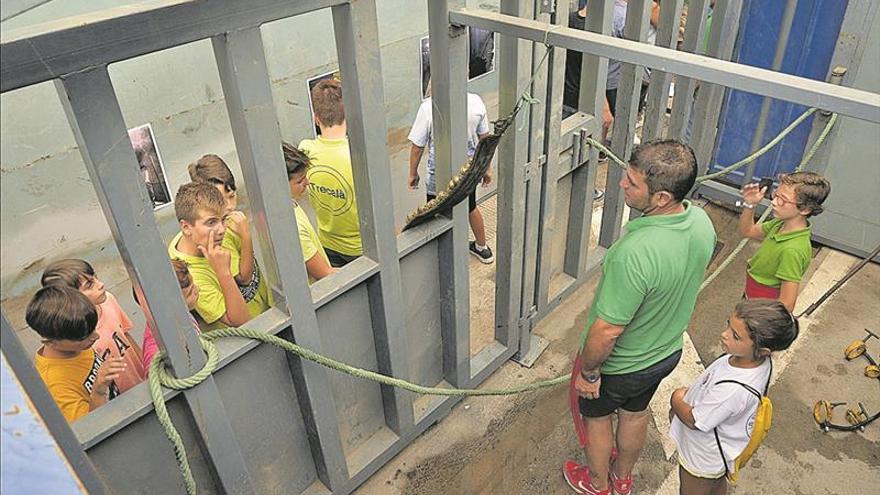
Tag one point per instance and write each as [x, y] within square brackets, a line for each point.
[648, 290]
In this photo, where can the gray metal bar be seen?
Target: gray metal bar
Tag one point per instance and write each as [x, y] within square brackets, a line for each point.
[658, 88]
[856, 103]
[594, 69]
[96, 120]
[638, 17]
[537, 169]
[357, 45]
[683, 102]
[420, 235]
[449, 88]
[580, 210]
[47, 51]
[778, 58]
[23, 367]
[549, 177]
[513, 74]
[707, 108]
[244, 76]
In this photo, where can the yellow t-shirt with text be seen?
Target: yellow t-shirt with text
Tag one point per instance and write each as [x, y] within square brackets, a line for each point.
[331, 194]
[70, 381]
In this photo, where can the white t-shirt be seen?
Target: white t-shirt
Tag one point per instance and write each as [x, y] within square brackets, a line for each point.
[728, 406]
[422, 132]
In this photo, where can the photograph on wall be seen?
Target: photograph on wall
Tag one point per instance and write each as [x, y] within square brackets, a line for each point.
[481, 53]
[311, 85]
[152, 170]
[425, 66]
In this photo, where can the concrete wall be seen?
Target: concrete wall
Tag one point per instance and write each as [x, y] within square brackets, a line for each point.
[49, 209]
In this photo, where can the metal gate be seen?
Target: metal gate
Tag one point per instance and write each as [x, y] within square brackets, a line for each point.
[266, 422]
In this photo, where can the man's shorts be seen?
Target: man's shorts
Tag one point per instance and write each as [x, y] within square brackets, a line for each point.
[472, 200]
[630, 391]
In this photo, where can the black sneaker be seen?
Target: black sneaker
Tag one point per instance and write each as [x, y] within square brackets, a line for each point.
[484, 255]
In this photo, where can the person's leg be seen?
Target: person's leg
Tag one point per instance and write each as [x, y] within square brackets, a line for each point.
[720, 487]
[600, 437]
[691, 485]
[632, 430]
[476, 221]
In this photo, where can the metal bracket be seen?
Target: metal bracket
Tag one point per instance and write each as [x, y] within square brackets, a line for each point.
[532, 168]
[527, 319]
[537, 346]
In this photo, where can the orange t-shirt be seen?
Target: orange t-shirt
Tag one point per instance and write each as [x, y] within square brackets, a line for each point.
[70, 381]
[113, 340]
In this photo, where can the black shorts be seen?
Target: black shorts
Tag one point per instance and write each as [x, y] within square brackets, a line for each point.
[631, 391]
[472, 200]
[337, 259]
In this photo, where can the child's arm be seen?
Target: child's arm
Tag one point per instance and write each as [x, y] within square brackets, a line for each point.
[415, 156]
[682, 410]
[752, 196]
[110, 370]
[318, 268]
[236, 309]
[239, 225]
[788, 293]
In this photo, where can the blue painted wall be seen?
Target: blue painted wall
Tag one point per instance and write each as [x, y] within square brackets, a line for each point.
[808, 53]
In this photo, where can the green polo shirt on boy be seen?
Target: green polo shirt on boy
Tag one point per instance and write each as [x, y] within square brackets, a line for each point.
[331, 194]
[782, 256]
[211, 305]
[649, 285]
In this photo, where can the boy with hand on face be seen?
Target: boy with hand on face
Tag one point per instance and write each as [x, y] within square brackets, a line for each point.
[213, 170]
[77, 378]
[776, 269]
[200, 209]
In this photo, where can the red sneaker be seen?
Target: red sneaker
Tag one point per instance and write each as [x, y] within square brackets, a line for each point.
[620, 486]
[579, 479]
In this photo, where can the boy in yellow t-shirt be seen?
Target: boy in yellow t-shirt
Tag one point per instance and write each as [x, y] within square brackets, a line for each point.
[317, 263]
[77, 378]
[213, 261]
[331, 184]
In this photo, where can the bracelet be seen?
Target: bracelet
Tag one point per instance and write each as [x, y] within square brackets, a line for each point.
[743, 204]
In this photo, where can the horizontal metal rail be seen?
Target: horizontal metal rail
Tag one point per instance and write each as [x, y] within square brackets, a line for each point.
[846, 101]
[47, 51]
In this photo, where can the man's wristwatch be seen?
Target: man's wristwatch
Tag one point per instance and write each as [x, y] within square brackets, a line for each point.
[590, 377]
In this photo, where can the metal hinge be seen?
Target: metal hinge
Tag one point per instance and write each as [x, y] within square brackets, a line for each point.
[533, 167]
[526, 321]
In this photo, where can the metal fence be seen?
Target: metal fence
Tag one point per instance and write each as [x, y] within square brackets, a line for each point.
[267, 422]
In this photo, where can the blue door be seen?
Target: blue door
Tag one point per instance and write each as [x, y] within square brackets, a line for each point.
[811, 44]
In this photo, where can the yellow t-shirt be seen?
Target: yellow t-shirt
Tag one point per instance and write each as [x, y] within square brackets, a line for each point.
[211, 304]
[308, 239]
[331, 193]
[70, 381]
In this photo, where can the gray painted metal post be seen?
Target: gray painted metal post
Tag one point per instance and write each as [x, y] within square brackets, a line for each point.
[778, 58]
[847, 54]
[707, 108]
[535, 170]
[244, 76]
[93, 111]
[23, 367]
[638, 17]
[513, 74]
[682, 104]
[550, 172]
[594, 74]
[658, 89]
[449, 100]
[357, 44]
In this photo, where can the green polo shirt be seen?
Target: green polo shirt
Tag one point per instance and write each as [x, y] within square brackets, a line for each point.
[649, 285]
[782, 256]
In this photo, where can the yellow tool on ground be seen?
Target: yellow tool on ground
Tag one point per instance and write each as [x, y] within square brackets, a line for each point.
[859, 348]
[857, 418]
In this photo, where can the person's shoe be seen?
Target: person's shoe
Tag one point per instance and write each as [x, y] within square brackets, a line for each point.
[579, 479]
[598, 194]
[484, 255]
[620, 486]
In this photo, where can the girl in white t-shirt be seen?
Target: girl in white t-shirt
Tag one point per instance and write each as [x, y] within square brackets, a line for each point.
[756, 327]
